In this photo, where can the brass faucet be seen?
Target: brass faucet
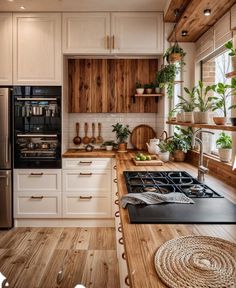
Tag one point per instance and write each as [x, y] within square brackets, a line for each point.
[202, 170]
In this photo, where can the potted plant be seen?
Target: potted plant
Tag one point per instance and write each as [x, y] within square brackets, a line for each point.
[148, 88]
[224, 91]
[174, 54]
[122, 134]
[157, 88]
[166, 77]
[232, 53]
[180, 144]
[165, 149]
[224, 144]
[139, 88]
[203, 103]
[109, 144]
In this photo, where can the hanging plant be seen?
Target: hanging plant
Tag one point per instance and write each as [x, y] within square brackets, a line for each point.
[175, 54]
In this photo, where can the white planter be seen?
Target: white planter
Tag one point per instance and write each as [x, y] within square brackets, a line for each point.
[225, 154]
[201, 117]
[180, 117]
[139, 91]
[188, 117]
[109, 147]
[164, 156]
[157, 90]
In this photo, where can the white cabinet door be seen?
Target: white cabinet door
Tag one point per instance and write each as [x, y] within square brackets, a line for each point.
[86, 33]
[37, 49]
[137, 33]
[6, 49]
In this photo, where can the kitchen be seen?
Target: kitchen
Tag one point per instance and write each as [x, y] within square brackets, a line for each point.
[73, 71]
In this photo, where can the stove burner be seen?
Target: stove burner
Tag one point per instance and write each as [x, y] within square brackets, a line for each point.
[182, 180]
[161, 181]
[150, 189]
[196, 188]
[165, 189]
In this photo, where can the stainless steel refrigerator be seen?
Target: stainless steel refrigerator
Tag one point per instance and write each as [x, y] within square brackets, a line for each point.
[5, 159]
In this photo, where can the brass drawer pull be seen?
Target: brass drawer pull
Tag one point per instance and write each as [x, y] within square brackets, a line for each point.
[85, 197]
[117, 214]
[36, 174]
[36, 197]
[123, 256]
[115, 180]
[116, 194]
[108, 42]
[121, 241]
[114, 167]
[117, 202]
[113, 42]
[127, 280]
[85, 162]
[86, 174]
[119, 229]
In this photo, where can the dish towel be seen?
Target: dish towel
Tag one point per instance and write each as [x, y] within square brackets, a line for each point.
[151, 198]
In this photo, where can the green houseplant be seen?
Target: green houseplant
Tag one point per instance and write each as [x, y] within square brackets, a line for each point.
[148, 88]
[224, 144]
[174, 54]
[109, 144]
[232, 53]
[165, 149]
[139, 87]
[122, 134]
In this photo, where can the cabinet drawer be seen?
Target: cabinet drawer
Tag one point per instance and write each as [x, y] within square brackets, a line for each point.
[95, 181]
[81, 206]
[85, 163]
[37, 180]
[32, 205]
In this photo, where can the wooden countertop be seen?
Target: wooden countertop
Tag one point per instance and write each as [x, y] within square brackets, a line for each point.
[75, 153]
[142, 240]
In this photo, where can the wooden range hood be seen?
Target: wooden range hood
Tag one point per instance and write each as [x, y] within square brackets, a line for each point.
[192, 19]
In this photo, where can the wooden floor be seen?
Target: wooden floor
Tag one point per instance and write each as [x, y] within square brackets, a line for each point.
[32, 257]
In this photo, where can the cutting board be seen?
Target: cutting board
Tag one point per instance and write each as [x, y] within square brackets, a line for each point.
[154, 162]
[141, 135]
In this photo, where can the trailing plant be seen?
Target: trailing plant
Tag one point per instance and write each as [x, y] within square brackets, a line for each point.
[224, 141]
[229, 45]
[203, 102]
[175, 49]
[188, 104]
[166, 77]
[122, 132]
[224, 91]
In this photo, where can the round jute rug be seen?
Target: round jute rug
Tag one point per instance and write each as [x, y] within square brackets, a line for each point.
[197, 262]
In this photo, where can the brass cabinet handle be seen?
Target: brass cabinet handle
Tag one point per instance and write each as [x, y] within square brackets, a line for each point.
[113, 42]
[108, 42]
[116, 202]
[36, 174]
[85, 162]
[119, 229]
[86, 174]
[85, 197]
[36, 197]
[116, 194]
[123, 256]
[121, 241]
[114, 167]
[117, 214]
[115, 180]
[127, 280]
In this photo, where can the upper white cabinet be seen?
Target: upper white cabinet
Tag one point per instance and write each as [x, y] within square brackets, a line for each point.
[113, 33]
[86, 33]
[37, 49]
[6, 49]
[137, 33]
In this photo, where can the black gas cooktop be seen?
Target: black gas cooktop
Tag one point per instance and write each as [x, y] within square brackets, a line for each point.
[209, 206]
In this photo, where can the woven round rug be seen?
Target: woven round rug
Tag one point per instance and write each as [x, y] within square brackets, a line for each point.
[197, 262]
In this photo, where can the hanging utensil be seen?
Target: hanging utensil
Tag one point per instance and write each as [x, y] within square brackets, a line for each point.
[86, 139]
[99, 138]
[77, 139]
[93, 138]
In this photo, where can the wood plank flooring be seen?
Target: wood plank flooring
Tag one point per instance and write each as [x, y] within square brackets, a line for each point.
[33, 257]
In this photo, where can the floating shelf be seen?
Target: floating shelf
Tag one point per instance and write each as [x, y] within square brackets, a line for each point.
[231, 74]
[147, 95]
[208, 126]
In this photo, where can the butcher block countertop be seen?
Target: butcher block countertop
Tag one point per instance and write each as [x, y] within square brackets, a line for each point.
[142, 240]
[75, 153]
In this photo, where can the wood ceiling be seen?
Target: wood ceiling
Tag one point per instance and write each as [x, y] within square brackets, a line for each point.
[192, 19]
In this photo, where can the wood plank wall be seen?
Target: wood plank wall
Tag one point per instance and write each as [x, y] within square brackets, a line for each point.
[106, 85]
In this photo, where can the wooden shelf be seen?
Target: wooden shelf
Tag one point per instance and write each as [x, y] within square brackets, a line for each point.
[207, 126]
[231, 74]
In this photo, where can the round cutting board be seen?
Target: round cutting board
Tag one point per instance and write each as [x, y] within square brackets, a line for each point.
[141, 135]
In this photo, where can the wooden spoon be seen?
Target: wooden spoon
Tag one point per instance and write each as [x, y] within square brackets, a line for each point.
[77, 139]
[93, 139]
[99, 138]
[86, 139]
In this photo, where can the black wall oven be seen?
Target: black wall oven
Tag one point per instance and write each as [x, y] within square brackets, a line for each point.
[37, 126]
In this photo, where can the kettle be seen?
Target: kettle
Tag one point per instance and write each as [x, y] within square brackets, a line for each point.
[152, 146]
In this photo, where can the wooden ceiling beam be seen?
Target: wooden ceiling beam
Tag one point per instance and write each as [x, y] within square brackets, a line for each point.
[180, 5]
[195, 22]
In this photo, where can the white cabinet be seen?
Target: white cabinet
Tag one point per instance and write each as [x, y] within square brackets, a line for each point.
[6, 49]
[86, 33]
[87, 189]
[137, 33]
[37, 58]
[116, 33]
[37, 193]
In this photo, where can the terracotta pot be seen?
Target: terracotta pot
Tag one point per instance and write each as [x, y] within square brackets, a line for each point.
[122, 147]
[188, 117]
[220, 120]
[180, 117]
[201, 117]
[225, 154]
[174, 57]
[139, 91]
[179, 156]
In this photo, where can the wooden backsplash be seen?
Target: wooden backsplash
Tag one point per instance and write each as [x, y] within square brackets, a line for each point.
[107, 85]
